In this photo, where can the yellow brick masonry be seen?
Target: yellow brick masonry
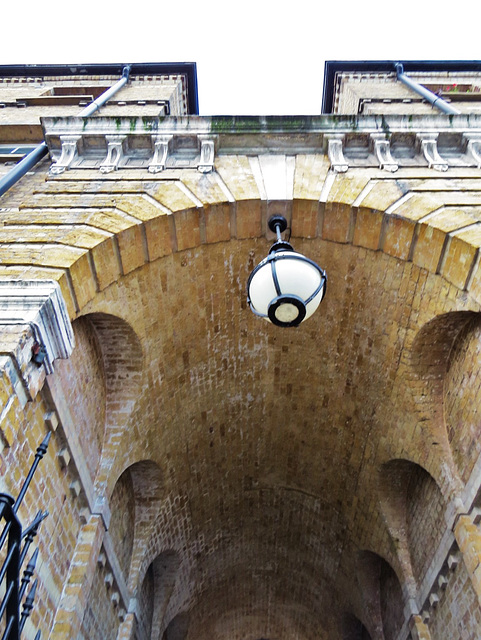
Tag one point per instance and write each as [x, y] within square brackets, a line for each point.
[87, 236]
[419, 630]
[76, 591]
[127, 628]
[469, 542]
[97, 233]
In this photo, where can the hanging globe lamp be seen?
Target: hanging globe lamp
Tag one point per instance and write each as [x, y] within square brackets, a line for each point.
[286, 287]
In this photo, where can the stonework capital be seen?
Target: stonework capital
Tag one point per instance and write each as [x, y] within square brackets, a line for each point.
[40, 304]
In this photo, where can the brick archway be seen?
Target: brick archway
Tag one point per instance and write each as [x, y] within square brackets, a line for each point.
[279, 421]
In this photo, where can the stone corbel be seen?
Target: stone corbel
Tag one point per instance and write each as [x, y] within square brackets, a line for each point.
[40, 304]
[382, 151]
[162, 147]
[115, 153]
[69, 146]
[207, 153]
[335, 154]
[418, 627]
[473, 148]
[429, 147]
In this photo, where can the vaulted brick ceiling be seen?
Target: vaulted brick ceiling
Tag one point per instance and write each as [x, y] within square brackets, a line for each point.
[271, 441]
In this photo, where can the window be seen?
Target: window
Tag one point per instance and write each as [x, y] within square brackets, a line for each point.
[15, 152]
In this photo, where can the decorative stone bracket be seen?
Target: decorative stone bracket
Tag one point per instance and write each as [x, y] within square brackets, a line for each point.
[473, 147]
[382, 151]
[206, 164]
[69, 146]
[115, 153]
[335, 154]
[40, 304]
[429, 147]
[162, 147]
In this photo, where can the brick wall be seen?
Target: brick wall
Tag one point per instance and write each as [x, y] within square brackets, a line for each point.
[49, 491]
[146, 606]
[85, 370]
[100, 620]
[122, 523]
[252, 454]
[462, 390]
[425, 520]
[458, 614]
[391, 602]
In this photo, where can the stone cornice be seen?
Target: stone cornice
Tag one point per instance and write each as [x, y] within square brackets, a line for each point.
[40, 304]
[264, 124]
[387, 142]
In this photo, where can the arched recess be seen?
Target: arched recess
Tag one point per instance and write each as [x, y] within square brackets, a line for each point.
[462, 396]
[164, 569]
[86, 369]
[430, 355]
[100, 381]
[134, 504]
[123, 517]
[145, 606]
[444, 358]
[383, 595]
[178, 628]
[123, 358]
[123, 368]
[433, 343]
[414, 509]
[353, 629]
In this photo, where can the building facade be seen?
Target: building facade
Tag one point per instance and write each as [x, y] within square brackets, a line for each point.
[210, 475]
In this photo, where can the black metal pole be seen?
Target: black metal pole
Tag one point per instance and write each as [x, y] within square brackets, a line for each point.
[13, 570]
[27, 575]
[30, 533]
[28, 605]
[41, 451]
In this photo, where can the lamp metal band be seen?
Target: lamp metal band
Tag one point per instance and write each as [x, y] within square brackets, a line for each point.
[274, 277]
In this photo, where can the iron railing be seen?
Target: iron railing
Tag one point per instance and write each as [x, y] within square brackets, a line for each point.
[16, 604]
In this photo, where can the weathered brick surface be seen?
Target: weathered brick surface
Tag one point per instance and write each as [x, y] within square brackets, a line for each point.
[85, 369]
[122, 524]
[146, 600]
[264, 455]
[391, 602]
[458, 614]
[100, 618]
[462, 397]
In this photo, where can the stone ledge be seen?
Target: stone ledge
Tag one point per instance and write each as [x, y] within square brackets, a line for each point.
[39, 304]
[156, 144]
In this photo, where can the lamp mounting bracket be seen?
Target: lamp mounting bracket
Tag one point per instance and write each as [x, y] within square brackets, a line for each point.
[277, 222]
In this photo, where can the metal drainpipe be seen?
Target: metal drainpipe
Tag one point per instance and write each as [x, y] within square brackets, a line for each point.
[106, 95]
[31, 159]
[431, 97]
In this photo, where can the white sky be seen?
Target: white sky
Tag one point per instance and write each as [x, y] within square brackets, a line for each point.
[254, 56]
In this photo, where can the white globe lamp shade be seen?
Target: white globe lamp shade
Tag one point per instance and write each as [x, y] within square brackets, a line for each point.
[286, 287]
